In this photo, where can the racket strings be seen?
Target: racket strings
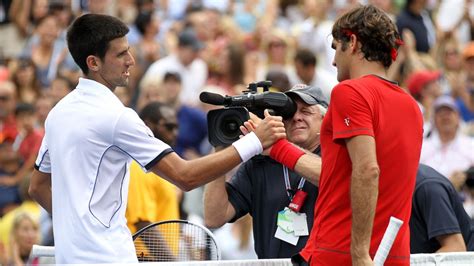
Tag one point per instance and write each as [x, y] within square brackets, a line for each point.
[175, 242]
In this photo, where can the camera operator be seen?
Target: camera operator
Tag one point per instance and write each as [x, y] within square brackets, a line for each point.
[264, 187]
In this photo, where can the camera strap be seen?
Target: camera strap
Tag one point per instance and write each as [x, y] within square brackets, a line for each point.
[289, 191]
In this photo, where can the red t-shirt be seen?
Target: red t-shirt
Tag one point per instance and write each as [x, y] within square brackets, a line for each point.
[376, 107]
[8, 129]
[31, 145]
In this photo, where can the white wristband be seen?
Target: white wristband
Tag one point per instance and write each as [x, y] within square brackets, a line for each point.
[248, 146]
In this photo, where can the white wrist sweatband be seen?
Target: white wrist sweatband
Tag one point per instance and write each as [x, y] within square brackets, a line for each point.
[248, 146]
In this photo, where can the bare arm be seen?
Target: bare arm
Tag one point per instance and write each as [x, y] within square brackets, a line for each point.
[309, 166]
[40, 189]
[188, 175]
[451, 243]
[217, 208]
[19, 12]
[364, 193]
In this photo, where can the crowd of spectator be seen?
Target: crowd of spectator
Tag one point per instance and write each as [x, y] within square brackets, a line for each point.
[183, 47]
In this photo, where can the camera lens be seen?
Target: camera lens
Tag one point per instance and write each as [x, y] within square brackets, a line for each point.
[224, 125]
[230, 127]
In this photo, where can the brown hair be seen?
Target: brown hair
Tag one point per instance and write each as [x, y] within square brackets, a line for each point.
[375, 31]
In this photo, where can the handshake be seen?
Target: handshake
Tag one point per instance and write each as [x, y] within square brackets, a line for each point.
[224, 125]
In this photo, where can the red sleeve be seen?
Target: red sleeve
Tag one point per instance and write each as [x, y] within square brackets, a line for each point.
[37, 142]
[351, 112]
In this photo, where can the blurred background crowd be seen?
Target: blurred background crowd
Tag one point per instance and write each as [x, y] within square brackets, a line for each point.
[184, 47]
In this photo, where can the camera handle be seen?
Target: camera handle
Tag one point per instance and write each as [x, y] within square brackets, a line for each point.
[252, 87]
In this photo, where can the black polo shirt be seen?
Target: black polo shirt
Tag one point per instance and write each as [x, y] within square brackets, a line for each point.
[258, 188]
[436, 211]
[415, 23]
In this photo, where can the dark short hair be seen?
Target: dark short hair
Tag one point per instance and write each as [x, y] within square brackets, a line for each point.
[90, 34]
[142, 20]
[375, 31]
[305, 57]
[24, 108]
[279, 79]
[152, 111]
[172, 76]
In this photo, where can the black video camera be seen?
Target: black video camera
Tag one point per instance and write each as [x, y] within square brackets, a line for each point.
[224, 124]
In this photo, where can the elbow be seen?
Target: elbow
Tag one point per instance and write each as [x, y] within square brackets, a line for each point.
[33, 191]
[458, 247]
[186, 183]
[373, 171]
[451, 243]
[185, 186]
[213, 222]
[370, 171]
[188, 179]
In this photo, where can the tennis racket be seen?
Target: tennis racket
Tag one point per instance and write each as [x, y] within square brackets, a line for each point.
[175, 240]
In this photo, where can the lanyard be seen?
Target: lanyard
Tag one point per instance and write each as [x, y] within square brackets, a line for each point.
[287, 183]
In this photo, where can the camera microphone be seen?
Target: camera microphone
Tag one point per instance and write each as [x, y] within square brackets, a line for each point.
[211, 98]
[256, 103]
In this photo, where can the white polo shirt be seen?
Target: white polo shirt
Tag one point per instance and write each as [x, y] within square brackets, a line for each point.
[90, 140]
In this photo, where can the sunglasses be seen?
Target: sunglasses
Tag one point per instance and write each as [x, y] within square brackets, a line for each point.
[170, 126]
[5, 98]
[277, 44]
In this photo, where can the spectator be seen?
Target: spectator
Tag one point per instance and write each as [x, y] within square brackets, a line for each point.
[279, 79]
[26, 81]
[10, 38]
[187, 63]
[43, 105]
[464, 93]
[26, 14]
[27, 206]
[235, 240]
[60, 87]
[425, 87]
[306, 72]
[123, 93]
[148, 49]
[277, 53]
[438, 222]
[192, 133]
[24, 234]
[314, 33]
[47, 51]
[467, 191]
[27, 142]
[8, 129]
[9, 165]
[415, 18]
[447, 149]
[151, 198]
[226, 68]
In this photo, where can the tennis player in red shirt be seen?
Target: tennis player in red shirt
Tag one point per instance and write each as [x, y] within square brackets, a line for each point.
[371, 140]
